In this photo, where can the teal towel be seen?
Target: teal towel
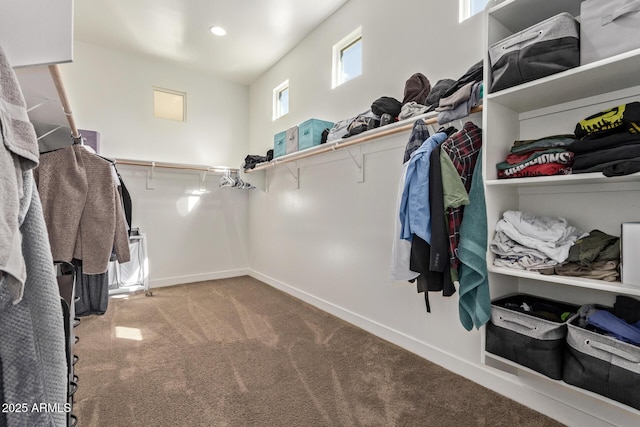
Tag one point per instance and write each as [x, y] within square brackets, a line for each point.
[475, 302]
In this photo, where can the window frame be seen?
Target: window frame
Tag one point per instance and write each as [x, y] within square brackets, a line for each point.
[465, 9]
[277, 105]
[337, 75]
[183, 95]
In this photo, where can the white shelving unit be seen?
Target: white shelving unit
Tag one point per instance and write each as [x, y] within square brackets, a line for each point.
[548, 106]
[584, 283]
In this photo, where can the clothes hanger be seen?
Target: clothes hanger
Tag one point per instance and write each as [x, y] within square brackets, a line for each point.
[242, 184]
[246, 186]
[448, 130]
[91, 150]
[238, 182]
[226, 180]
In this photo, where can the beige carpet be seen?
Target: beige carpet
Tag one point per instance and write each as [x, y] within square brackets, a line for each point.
[237, 352]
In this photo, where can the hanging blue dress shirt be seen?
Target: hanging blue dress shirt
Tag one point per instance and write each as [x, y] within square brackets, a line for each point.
[415, 212]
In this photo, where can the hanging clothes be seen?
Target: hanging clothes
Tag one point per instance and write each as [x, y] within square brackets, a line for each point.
[401, 249]
[475, 301]
[127, 205]
[438, 256]
[463, 148]
[32, 337]
[32, 346]
[83, 209]
[92, 293]
[431, 259]
[419, 134]
[18, 154]
[414, 208]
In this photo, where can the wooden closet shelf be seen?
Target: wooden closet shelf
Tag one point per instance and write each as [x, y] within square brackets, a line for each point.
[373, 134]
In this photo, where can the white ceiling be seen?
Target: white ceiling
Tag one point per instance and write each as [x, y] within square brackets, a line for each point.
[259, 32]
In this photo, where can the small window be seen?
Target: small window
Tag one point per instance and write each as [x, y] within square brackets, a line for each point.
[347, 58]
[468, 8]
[281, 100]
[169, 104]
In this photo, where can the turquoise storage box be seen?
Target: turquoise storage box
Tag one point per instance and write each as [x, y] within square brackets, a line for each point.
[280, 144]
[310, 132]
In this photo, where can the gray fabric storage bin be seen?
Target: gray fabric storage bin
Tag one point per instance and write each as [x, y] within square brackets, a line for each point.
[608, 28]
[546, 48]
[292, 140]
[527, 337]
[603, 365]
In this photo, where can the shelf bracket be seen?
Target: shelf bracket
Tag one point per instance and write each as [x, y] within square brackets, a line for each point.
[358, 159]
[150, 183]
[295, 175]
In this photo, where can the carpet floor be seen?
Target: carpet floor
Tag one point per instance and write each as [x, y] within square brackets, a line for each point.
[237, 352]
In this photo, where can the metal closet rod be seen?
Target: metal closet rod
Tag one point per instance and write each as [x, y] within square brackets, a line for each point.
[179, 166]
[62, 94]
[347, 143]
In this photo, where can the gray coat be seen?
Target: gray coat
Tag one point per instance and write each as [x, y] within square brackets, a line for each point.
[82, 208]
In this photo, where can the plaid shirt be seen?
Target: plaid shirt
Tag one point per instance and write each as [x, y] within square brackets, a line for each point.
[419, 134]
[463, 148]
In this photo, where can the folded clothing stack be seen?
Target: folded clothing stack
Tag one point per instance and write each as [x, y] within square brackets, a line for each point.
[460, 103]
[609, 141]
[596, 256]
[538, 157]
[528, 242]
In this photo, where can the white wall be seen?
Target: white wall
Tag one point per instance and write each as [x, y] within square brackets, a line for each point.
[111, 92]
[191, 235]
[329, 242]
[332, 237]
[399, 39]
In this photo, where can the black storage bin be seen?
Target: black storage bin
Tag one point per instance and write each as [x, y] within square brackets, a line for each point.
[602, 364]
[543, 49]
[534, 338]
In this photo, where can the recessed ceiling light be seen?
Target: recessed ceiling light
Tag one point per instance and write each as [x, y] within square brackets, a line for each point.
[218, 31]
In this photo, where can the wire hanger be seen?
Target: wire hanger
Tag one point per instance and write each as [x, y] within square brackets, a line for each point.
[226, 180]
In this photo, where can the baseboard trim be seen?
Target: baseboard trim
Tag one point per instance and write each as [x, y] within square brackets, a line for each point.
[491, 378]
[191, 278]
